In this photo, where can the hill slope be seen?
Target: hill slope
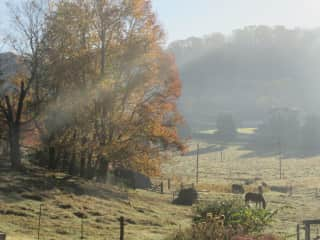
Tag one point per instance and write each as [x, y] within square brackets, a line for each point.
[65, 200]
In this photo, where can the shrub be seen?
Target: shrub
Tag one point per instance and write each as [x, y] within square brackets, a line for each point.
[213, 228]
[236, 213]
[227, 220]
[210, 229]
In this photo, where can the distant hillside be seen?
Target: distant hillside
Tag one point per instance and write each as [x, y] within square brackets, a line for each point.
[248, 73]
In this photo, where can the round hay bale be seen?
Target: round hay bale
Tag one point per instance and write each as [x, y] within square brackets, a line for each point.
[237, 189]
[186, 197]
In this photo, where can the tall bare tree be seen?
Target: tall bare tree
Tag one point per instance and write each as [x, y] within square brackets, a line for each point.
[28, 41]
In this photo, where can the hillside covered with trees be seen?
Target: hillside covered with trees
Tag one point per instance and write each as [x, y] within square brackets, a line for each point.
[248, 72]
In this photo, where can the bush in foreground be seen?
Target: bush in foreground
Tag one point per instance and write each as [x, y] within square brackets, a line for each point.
[227, 220]
[236, 213]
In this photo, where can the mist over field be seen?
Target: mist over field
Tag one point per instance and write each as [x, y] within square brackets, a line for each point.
[248, 73]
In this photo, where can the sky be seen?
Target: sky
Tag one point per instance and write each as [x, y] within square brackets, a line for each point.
[184, 18]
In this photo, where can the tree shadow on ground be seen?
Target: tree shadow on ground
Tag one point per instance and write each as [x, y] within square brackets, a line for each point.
[35, 183]
[209, 149]
[248, 143]
[266, 150]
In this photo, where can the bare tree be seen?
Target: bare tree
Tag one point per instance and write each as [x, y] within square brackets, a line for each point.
[28, 41]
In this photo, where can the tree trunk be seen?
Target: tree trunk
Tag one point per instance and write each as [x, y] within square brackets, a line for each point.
[72, 165]
[15, 150]
[65, 160]
[52, 158]
[57, 159]
[90, 171]
[102, 169]
[103, 52]
[82, 163]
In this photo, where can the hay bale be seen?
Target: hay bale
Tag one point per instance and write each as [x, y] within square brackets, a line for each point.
[186, 197]
[237, 189]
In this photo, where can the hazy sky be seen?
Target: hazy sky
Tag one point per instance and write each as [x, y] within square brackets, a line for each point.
[184, 18]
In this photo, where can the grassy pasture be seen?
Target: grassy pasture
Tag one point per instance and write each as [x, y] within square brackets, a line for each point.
[238, 166]
[239, 130]
[148, 215]
[151, 215]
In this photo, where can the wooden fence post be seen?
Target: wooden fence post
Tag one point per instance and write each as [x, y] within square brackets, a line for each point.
[39, 221]
[169, 184]
[2, 236]
[307, 232]
[161, 187]
[197, 165]
[121, 228]
[298, 232]
[82, 236]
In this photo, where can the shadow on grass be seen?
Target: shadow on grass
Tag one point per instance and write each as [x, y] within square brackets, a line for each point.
[274, 150]
[36, 183]
[254, 149]
[210, 149]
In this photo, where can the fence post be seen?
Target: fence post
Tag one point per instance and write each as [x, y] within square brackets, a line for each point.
[39, 221]
[307, 232]
[169, 184]
[161, 187]
[82, 237]
[121, 228]
[298, 232]
[2, 236]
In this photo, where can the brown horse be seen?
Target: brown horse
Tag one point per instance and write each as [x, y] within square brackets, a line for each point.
[256, 198]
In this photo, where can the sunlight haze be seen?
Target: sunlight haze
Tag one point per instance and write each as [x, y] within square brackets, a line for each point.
[185, 18]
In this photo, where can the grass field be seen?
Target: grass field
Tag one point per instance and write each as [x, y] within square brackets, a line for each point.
[239, 130]
[151, 215]
[237, 166]
[148, 215]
